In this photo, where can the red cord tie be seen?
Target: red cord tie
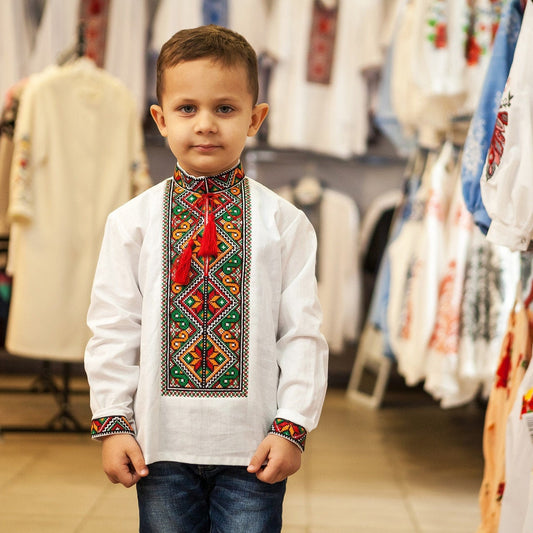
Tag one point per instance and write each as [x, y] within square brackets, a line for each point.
[181, 269]
[209, 245]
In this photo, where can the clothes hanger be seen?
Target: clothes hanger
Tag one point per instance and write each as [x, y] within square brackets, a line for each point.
[308, 189]
[77, 50]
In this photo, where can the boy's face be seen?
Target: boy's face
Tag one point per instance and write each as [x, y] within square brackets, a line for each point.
[206, 113]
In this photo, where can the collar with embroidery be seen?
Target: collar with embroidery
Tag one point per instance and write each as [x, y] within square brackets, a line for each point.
[209, 184]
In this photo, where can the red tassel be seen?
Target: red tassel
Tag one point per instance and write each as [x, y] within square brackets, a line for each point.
[181, 269]
[209, 244]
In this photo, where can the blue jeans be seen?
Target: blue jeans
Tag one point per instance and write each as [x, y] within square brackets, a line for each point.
[186, 498]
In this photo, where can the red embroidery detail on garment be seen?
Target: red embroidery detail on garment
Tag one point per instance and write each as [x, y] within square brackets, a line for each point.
[527, 403]
[504, 368]
[321, 43]
[497, 142]
[441, 35]
[500, 491]
[445, 337]
[473, 51]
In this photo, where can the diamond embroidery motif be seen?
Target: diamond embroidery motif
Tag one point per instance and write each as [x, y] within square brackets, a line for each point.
[204, 332]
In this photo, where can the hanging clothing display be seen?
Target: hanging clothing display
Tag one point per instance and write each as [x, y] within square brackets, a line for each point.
[323, 110]
[482, 125]
[416, 268]
[78, 154]
[506, 185]
[443, 292]
[443, 379]
[422, 113]
[441, 51]
[408, 210]
[338, 270]
[115, 37]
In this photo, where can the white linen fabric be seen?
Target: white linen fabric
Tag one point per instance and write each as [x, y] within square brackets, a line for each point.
[287, 355]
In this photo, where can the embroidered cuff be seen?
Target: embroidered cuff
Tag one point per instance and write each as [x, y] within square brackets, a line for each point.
[110, 425]
[290, 431]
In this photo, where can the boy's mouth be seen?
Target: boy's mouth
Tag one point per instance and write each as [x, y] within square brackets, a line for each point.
[205, 147]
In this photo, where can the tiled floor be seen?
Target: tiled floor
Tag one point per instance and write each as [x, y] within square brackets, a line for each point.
[409, 467]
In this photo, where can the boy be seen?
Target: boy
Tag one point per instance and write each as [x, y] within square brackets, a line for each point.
[206, 361]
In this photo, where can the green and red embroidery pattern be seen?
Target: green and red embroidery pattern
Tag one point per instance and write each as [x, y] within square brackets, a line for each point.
[110, 425]
[204, 321]
[289, 430]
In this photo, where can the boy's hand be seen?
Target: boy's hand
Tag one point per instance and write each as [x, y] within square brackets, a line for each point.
[123, 460]
[282, 458]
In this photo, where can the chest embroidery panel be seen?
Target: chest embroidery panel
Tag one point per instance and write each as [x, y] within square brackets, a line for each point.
[205, 321]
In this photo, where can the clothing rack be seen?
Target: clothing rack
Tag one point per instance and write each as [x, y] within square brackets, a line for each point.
[63, 420]
[369, 360]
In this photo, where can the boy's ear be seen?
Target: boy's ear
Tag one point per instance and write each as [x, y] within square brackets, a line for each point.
[259, 113]
[159, 119]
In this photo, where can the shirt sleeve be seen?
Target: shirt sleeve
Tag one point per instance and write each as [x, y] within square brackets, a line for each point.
[114, 317]
[302, 349]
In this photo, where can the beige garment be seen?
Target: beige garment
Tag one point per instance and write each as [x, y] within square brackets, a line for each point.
[514, 357]
[78, 155]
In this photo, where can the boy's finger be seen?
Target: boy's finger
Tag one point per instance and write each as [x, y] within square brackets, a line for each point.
[137, 462]
[259, 458]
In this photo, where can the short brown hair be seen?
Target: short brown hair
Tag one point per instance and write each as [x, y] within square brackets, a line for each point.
[215, 42]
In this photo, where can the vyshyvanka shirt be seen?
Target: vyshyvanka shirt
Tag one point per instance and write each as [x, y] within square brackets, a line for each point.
[206, 321]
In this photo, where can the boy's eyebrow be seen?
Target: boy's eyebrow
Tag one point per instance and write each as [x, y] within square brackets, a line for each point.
[217, 99]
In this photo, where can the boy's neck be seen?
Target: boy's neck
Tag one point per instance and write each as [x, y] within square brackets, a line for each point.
[203, 184]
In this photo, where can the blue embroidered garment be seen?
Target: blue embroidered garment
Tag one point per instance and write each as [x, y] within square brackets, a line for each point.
[215, 12]
[480, 132]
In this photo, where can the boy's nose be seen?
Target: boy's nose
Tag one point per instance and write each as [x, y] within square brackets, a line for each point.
[205, 123]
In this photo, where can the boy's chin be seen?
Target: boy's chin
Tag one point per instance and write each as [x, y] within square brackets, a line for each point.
[207, 168]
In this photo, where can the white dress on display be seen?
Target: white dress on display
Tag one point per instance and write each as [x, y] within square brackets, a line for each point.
[78, 155]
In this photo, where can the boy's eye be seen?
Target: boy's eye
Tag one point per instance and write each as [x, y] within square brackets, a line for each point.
[187, 109]
[224, 109]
